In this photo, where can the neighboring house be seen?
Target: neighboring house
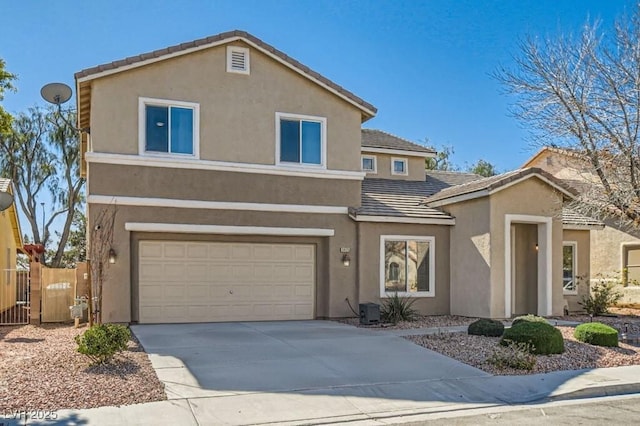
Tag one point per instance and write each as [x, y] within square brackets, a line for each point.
[10, 244]
[246, 189]
[614, 248]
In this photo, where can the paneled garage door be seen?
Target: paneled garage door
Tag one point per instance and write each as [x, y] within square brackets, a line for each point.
[183, 281]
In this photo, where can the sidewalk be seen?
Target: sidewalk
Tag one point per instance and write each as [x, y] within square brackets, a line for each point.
[363, 403]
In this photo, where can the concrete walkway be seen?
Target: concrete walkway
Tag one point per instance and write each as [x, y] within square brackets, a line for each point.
[284, 395]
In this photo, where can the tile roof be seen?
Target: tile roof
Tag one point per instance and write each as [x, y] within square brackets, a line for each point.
[571, 217]
[372, 138]
[397, 198]
[220, 38]
[494, 182]
[439, 180]
[4, 184]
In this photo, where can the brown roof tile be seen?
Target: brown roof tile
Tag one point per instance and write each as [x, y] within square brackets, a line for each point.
[373, 138]
[218, 37]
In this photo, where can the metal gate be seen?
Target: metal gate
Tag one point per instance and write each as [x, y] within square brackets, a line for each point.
[15, 301]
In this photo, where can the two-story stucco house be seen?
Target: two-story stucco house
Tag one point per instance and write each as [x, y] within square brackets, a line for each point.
[246, 189]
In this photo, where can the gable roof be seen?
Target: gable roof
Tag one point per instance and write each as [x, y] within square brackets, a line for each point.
[567, 152]
[84, 91]
[379, 141]
[6, 186]
[574, 220]
[487, 186]
[399, 201]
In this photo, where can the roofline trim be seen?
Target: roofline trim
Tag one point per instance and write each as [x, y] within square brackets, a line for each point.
[398, 152]
[484, 192]
[231, 39]
[394, 219]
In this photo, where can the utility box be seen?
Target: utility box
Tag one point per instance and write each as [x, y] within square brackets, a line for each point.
[369, 313]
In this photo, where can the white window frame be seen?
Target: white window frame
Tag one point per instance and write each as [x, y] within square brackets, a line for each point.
[432, 265]
[406, 166]
[573, 244]
[323, 141]
[247, 63]
[374, 159]
[142, 121]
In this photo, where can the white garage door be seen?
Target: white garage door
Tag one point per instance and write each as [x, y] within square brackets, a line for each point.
[183, 281]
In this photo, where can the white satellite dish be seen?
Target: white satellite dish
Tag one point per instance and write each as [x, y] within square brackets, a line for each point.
[6, 200]
[56, 93]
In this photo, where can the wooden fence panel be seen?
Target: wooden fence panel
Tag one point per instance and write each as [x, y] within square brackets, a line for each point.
[58, 293]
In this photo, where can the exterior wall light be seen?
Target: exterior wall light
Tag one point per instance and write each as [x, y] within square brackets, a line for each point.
[346, 260]
[112, 256]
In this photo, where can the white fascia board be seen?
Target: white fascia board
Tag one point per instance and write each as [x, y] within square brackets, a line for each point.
[182, 228]
[391, 219]
[485, 192]
[459, 198]
[542, 178]
[195, 164]
[219, 43]
[212, 205]
[398, 152]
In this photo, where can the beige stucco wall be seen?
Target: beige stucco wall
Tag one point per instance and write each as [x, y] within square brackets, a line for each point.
[7, 261]
[583, 270]
[237, 112]
[606, 248]
[471, 258]
[383, 161]
[208, 185]
[369, 263]
[529, 197]
[334, 283]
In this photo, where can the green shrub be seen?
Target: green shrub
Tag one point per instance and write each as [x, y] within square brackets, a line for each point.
[486, 327]
[516, 355]
[395, 309]
[529, 318]
[545, 338]
[596, 333]
[602, 295]
[101, 342]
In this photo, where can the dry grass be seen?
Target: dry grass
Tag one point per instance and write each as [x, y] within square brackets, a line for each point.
[40, 369]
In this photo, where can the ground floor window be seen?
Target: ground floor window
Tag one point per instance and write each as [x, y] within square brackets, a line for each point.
[631, 264]
[407, 266]
[569, 267]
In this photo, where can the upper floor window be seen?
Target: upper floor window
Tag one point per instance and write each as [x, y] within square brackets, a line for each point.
[369, 163]
[399, 166]
[300, 139]
[168, 127]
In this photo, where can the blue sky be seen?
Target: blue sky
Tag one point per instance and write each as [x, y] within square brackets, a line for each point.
[424, 64]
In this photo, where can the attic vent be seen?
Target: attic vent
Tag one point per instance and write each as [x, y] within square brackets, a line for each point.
[238, 59]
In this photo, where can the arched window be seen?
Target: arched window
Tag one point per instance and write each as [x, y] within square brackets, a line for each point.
[394, 271]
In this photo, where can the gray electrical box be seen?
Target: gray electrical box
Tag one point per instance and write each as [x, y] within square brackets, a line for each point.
[369, 313]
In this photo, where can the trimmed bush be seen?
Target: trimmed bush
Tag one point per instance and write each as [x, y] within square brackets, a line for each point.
[545, 338]
[101, 342]
[529, 318]
[486, 327]
[596, 333]
[395, 309]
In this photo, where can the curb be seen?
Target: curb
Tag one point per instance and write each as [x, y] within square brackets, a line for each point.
[597, 391]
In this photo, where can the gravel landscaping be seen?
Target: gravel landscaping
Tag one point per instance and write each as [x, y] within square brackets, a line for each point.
[423, 321]
[474, 350]
[40, 369]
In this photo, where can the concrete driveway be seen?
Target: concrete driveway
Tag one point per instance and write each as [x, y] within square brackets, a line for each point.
[216, 359]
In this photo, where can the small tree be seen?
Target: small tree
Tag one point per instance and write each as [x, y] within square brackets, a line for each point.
[6, 83]
[483, 168]
[100, 244]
